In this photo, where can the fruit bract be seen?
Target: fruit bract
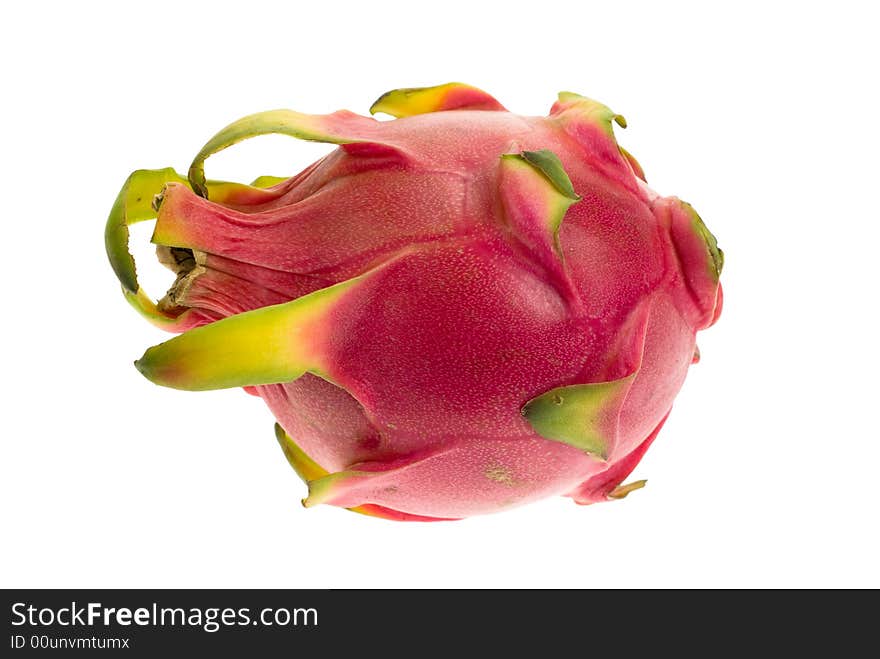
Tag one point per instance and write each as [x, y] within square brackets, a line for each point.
[456, 311]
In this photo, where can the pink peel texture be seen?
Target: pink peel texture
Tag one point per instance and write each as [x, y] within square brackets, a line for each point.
[472, 309]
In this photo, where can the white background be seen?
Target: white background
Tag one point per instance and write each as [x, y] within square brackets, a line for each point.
[764, 116]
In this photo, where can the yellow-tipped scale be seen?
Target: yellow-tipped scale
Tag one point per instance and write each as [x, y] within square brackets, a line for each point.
[311, 472]
[586, 109]
[340, 128]
[264, 346]
[540, 177]
[583, 415]
[411, 101]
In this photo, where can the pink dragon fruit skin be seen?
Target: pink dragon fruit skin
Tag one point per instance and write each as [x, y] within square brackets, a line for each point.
[455, 312]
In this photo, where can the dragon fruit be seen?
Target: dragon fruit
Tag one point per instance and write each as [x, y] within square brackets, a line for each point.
[455, 312]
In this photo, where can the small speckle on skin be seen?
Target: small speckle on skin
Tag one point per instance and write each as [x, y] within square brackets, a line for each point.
[370, 442]
[558, 399]
[499, 474]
